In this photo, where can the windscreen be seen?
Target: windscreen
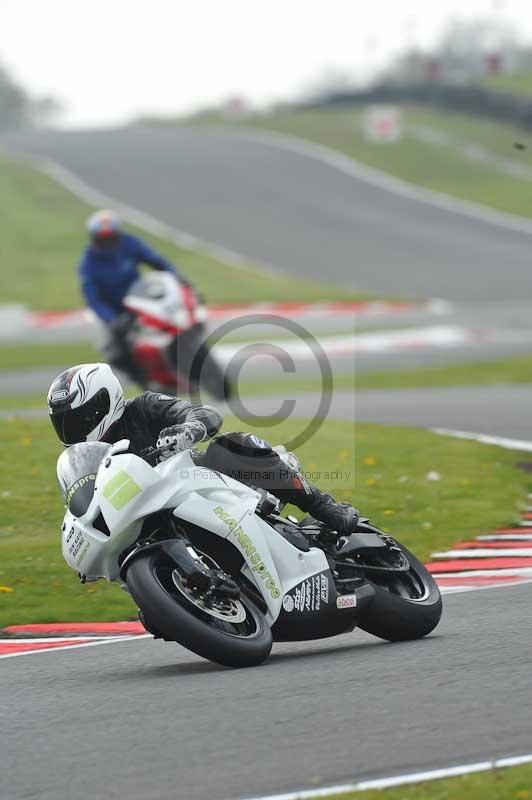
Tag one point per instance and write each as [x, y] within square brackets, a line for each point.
[76, 474]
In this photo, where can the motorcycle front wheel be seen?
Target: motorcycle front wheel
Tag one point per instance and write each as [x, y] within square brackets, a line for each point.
[230, 632]
[407, 605]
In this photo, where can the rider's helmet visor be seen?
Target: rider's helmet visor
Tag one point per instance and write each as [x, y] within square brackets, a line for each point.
[105, 241]
[73, 425]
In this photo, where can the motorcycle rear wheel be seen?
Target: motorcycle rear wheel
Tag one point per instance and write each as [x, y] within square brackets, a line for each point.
[406, 606]
[224, 637]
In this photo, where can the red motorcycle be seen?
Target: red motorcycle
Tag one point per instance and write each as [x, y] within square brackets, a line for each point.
[168, 339]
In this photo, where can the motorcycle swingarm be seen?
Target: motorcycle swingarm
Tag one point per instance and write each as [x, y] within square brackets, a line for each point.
[362, 549]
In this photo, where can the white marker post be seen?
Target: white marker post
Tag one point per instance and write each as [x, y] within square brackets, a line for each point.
[382, 124]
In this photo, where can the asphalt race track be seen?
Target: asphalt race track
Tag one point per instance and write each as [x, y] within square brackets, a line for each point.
[294, 212]
[147, 720]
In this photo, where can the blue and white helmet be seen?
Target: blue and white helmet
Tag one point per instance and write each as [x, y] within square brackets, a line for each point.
[84, 402]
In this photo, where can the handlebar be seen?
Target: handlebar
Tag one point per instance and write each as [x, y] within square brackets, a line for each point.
[151, 454]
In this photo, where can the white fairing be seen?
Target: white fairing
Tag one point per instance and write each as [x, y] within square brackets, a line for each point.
[127, 490]
[159, 296]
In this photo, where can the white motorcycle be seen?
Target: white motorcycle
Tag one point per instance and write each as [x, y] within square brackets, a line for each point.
[169, 530]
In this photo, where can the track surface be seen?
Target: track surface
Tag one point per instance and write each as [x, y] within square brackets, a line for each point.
[295, 212]
[148, 720]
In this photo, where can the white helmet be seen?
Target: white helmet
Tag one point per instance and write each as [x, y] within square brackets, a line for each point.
[84, 402]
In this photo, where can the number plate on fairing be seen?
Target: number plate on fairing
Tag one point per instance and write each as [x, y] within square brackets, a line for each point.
[75, 546]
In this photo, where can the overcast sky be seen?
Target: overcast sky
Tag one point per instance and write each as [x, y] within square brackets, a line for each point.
[108, 60]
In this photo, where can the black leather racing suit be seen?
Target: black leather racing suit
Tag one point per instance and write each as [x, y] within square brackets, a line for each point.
[146, 415]
[244, 457]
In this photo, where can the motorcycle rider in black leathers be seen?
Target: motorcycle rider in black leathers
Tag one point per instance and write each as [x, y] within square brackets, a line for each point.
[86, 403]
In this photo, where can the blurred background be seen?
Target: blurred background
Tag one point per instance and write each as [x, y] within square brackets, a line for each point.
[106, 65]
[362, 174]
[201, 118]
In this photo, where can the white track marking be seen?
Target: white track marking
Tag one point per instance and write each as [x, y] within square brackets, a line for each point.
[472, 588]
[483, 438]
[382, 342]
[495, 552]
[387, 182]
[401, 780]
[114, 640]
[418, 338]
[525, 572]
[505, 537]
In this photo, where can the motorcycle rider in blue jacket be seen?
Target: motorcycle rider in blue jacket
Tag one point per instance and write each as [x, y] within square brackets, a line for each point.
[108, 268]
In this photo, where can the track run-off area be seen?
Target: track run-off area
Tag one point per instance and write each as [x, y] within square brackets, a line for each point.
[144, 719]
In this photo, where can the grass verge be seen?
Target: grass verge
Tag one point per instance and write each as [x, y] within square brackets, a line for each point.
[382, 469]
[498, 784]
[43, 237]
[25, 356]
[432, 165]
[513, 82]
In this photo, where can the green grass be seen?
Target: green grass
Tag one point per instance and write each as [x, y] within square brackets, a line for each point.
[496, 137]
[13, 403]
[25, 356]
[383, 471]
[517, 369]
[499, 784]
[513, 82]
[43, 236]
[433, 166]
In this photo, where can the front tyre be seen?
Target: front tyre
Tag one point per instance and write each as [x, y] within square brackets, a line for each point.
[406, 605]
[234, 633]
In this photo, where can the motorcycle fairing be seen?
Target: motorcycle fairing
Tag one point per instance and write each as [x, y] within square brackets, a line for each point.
[127, 490]
[160, 301]
[310, 611]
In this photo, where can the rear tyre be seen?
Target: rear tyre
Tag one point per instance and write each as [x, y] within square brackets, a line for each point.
[406, 605]
[235, 634]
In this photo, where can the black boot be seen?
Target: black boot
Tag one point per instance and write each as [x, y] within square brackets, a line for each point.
[339, 517]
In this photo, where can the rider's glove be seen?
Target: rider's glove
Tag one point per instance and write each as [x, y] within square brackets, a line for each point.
[181, 437]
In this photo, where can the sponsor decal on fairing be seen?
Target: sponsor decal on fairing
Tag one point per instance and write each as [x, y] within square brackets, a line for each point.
[346, 601]
[310, 595]
[257, 564]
